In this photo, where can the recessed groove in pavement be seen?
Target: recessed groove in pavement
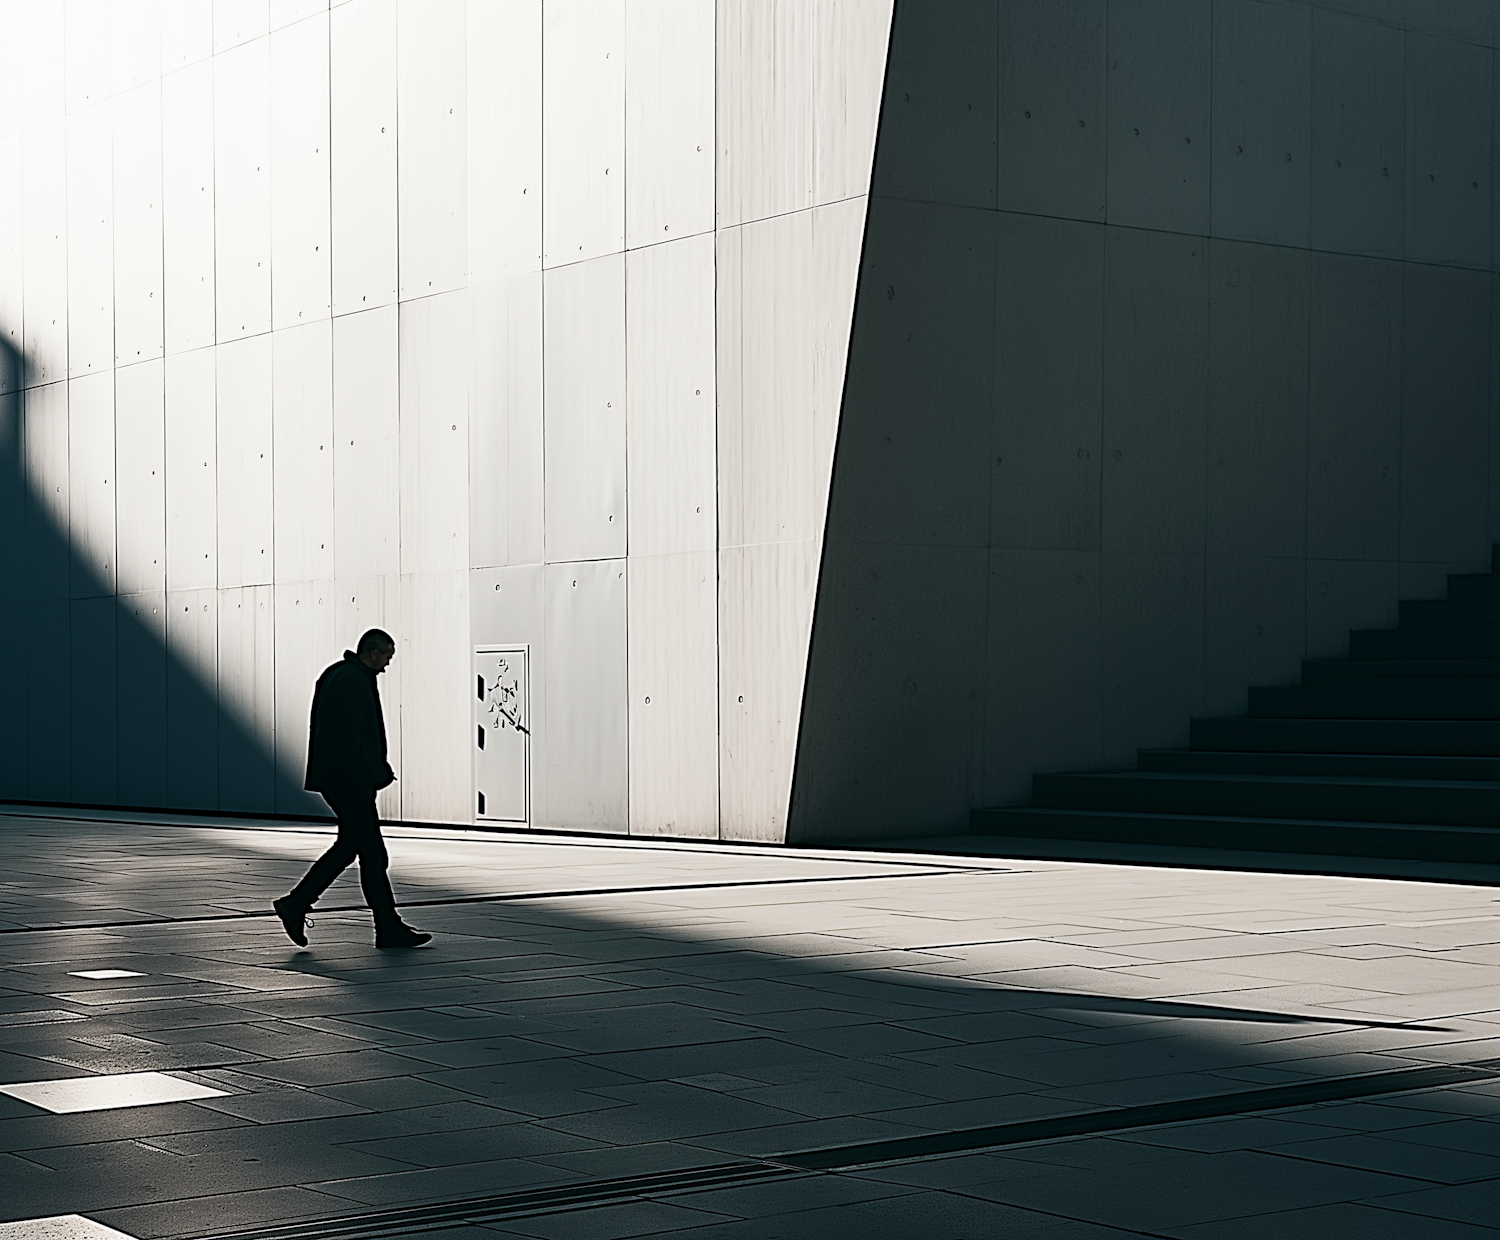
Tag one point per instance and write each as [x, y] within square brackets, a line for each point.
[593, 1193]
[502, 897]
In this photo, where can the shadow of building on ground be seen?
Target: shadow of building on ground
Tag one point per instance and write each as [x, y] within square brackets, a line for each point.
[548, 1038]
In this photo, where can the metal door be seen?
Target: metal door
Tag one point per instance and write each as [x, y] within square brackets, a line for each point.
[502, 734]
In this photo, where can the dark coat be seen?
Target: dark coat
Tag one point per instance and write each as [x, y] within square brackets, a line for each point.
[346, 745]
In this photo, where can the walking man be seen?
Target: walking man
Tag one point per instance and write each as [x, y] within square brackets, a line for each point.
[346, 764]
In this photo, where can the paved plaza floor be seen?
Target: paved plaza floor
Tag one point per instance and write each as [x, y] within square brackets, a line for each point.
[720, 1042]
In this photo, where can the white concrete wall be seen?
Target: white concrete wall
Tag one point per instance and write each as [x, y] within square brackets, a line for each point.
[1172, 362]
[484, 322]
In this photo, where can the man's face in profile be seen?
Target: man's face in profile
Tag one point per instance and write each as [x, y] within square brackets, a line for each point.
[378, 658]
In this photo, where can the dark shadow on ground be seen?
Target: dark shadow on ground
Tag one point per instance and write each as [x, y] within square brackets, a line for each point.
[547, 1040]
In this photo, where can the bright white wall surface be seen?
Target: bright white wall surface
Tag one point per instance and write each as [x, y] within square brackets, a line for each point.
[487, 322]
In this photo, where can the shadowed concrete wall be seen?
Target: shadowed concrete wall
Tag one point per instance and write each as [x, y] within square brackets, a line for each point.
[1171, 362]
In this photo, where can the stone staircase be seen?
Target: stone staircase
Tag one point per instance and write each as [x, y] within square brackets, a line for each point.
[1393, 752]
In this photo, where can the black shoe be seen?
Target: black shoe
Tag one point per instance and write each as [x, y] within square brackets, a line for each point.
[400, 935]
[293, 920]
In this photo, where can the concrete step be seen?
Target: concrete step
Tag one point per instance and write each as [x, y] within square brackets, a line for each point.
[1355, 699]
[1466, 584]
[1329, 671]
[1354, 839]
[1441, 737]
[1433, 802]
[1464, 610]
[1338, 765]
[1479, 641]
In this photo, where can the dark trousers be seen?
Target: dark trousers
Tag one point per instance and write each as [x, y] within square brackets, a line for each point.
[359, 836]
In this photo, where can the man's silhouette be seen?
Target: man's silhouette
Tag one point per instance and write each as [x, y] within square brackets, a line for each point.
[346, 764]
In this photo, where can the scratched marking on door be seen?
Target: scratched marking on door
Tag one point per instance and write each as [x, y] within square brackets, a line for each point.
[504, 703]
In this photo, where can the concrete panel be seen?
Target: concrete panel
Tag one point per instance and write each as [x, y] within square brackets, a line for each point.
[1255, 629]
[141, 477]
[507, 606]
[91, 484]
[669, 119]
[1358, 143]
[12, 260]
[192, 473]
[244, 463]
[1257, 410]
[244, 467]
[134, 43]
[1344, 595]
[137, 246]
[584, 417]
[852, 38]
[141, 698]
[93, 704]
[187, 170]
[15, 500]
[242, 189]
[285, 12]
[672, 656]
[505, 434]
[765, 93]
[1469, 20]
[1151, 648]
[436, 665]
[582, 779]
[1160, 55]
[583, 129]
[889, 743]
[192, 699]
[765, 617]
[434, 438]
[1048, 384]
[187, 33]
[431, 109]
[785, 295]
[44, 212]
[305, 643]
[1043, 708]
[939, 118]
[247, 696]
[1052, 97]
[1421, 579]
[44, 445]
[504, 140]
[1354, 409]
[91, 318]
[89, 58]
[669, 349]
[1449, 180]
[14, 724]
[303, 451]
[49, 701]
[239, 21]
[1155, 395]
[366, 445]
[1262, 82]
[301, 289]
[362, 94]
[1445, 372]
[42, 31]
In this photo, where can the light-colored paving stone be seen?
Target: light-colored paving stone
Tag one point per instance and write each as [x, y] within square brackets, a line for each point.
[599, 1008]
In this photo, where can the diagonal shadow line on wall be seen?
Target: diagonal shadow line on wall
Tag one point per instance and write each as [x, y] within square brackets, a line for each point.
[96, 708]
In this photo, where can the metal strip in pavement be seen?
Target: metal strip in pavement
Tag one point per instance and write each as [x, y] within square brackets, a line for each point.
[505, 898]
[557, 1199]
